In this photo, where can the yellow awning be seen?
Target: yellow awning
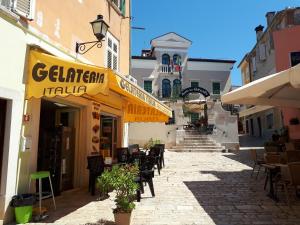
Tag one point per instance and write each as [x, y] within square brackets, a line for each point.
[51, 76]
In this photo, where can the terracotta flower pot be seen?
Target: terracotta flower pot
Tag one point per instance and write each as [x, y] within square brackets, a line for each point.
[122, 218]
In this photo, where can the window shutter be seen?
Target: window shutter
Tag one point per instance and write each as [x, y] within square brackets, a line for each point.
[115, 62]
[109, 59]
[262, 52]
[25, 8]
[122, 7]
[6, 3]
[253, 64]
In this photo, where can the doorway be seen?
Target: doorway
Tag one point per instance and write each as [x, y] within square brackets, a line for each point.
[108, 135]
[3, 105]
[56, 149]
[251, 127]
[259, 126]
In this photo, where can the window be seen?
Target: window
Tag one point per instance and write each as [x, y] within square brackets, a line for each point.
[165, 60]
[166, 88]
[176, 88]
[24, 8]
[120, 4]
[295, 58]
[269, 121]
[194, 84]
[216, 88]
[253, 64]
[148, 86]
[177, 59]
[112, 52]
[262, 52]
[194, 117]
[297, 17]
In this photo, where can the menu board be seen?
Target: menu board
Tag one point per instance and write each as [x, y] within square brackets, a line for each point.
[95, 128]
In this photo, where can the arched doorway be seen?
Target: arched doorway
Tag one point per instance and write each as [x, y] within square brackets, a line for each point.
[176, 88]
[166, 88]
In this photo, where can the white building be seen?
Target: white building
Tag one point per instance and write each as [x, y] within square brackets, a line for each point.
[167, 71]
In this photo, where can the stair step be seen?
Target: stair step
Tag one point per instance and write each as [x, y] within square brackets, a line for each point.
[197, 146]
[196, 150]
[197, 142]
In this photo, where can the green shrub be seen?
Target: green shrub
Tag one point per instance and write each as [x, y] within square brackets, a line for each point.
[121, 179]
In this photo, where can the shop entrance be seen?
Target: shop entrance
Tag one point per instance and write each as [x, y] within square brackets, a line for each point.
[3, 104]
[108, 135]
[56, 150]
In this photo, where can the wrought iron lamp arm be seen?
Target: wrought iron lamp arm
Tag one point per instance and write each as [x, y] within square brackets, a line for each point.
[81, 48]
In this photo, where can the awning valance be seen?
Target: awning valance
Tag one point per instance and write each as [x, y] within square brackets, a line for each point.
[254, 109]
[281, 89]
[50, 76]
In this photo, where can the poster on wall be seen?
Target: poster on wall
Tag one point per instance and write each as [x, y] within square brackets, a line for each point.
[95, 128]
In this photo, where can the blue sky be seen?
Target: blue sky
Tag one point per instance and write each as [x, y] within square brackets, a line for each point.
[219, 29]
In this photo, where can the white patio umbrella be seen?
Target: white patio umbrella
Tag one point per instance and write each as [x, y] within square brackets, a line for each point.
[280, 89]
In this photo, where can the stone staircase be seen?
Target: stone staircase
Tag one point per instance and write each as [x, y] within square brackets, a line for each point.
[195, 142]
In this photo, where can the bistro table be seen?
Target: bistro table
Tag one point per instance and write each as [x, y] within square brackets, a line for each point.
[272, 170]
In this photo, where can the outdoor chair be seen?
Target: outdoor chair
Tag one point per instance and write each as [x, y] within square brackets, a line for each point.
[271, 149]
[146, 174]
[162, 151]
[146, 167]
[96, 168]
[133, 148]
[271, 158]
[294, 169]
[290, 176]
[123, 155]
[292, 156]
[155, 152]
[257, 162]
[289, 146]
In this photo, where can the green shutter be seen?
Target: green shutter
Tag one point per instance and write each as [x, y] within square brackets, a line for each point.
[194, 84]
[123, 7]
[216, 88]
[148, 86]
[194, 117]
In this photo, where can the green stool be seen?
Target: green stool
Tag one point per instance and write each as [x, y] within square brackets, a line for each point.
[41, 175]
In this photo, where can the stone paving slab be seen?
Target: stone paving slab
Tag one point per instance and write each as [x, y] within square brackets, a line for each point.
[193, 189]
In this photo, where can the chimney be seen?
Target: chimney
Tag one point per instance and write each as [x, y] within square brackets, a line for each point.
[259, 31]
[270, 16]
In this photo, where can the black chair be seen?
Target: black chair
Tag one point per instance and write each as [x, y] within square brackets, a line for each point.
[155, 152]
[96, 168]
[146, 172]
[123, 155]
[162, 151]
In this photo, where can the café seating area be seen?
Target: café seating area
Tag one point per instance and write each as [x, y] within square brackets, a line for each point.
[147, 160]
[281, 164]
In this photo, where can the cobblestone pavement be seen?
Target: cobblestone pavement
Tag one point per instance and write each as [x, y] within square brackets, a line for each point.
[193, 189]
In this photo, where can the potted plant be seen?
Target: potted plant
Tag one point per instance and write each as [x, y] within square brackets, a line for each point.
[121, 179]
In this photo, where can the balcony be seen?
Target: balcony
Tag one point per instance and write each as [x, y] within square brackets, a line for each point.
[170, 69]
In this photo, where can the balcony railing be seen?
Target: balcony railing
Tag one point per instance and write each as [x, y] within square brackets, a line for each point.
[172, 69]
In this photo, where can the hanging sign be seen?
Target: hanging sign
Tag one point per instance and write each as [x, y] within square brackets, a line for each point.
[51, 76]
[189, 90]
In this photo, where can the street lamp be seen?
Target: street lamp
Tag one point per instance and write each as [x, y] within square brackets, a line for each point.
[99, 29]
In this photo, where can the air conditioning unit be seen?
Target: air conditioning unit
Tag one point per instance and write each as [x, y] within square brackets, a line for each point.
[24, 8]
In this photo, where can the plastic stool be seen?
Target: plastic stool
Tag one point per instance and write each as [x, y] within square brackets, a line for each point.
[41, 175]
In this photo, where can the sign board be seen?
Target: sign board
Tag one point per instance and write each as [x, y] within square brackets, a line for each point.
[51, 76]
[189, 90]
